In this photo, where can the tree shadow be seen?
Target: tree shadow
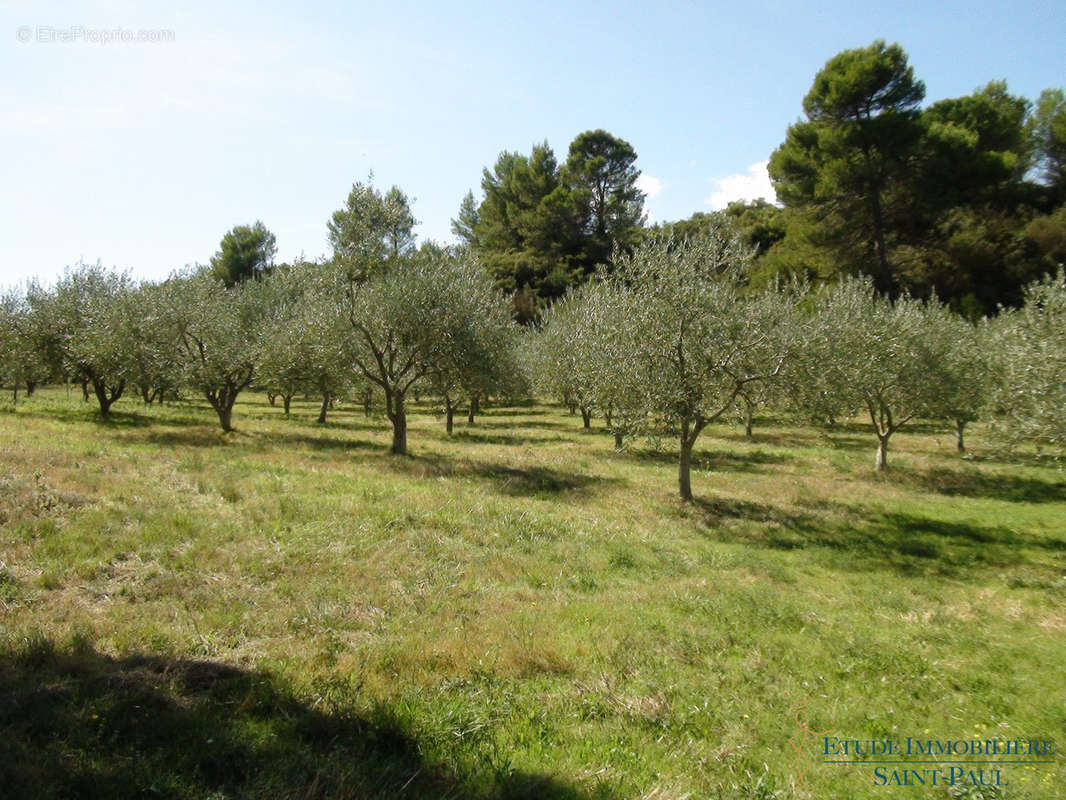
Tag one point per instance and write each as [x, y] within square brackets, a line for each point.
[972, 483]
[514, 410]
[536, 481]
[717, 459]
[321, 442]
[512, 439]
[713, 513]
[531, 481]
[908, 544]
[500, 422]
[203, 435]
[118, 419]
[81, 724]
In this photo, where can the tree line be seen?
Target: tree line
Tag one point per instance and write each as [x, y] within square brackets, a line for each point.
[669, 339]
[964, 198]
[674, 338]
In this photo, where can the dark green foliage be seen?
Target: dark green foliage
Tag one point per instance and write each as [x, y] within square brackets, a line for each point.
[244, 252]
[923, 201]
[844, 164]
[1049, 142]
[541, 228]
[600, 175]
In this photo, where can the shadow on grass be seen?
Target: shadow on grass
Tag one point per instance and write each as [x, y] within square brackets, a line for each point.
[310, 435]
[907, 543]
[475, 436]
[972, 483]
[80, 724]
[171, 415]
[715, 459]
[526, 481]
[493, 422]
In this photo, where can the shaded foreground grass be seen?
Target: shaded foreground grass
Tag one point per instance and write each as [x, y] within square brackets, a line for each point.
[82, 724]
[519, 611]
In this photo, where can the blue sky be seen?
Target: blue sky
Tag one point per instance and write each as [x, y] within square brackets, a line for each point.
[142, 154]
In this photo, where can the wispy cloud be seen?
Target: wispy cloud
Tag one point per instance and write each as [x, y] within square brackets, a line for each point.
[751, 185]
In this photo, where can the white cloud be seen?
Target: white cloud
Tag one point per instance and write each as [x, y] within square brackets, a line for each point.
[650, 185]
[751, 185]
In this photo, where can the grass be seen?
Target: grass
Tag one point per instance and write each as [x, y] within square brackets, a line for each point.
[517, 611]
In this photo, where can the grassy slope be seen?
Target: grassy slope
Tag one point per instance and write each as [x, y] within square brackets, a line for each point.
[289, 611]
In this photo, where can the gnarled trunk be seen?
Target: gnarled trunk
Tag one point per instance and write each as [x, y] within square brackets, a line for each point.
[272, 398]
[617, 440]
[398, 416]
[286, 403]
[325, 407]
[105, 397]
[586, 418]
[960, 444]
[225, 418]
[223, 401]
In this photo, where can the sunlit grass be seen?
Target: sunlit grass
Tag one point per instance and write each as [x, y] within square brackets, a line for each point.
[515, 611]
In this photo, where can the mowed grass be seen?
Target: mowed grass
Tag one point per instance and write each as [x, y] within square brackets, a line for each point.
[516, 611]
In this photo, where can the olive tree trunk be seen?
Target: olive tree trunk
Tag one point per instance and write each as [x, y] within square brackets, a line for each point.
[690, 431]
[397, 411]
[882, 452]
[105, 396]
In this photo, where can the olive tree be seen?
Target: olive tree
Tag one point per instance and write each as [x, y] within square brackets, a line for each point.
[22, 362]
[566, 347]
[1029, 393]
[301, 345]
[581, 352]
[481, 357]
[692, 335]
[280, 361]
[151, 349]
[963, 369]
[873, 355]
[216, 330]
[407, 319]
[80, 323]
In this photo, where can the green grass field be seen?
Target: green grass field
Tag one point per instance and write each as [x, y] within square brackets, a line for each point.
[517, 611]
